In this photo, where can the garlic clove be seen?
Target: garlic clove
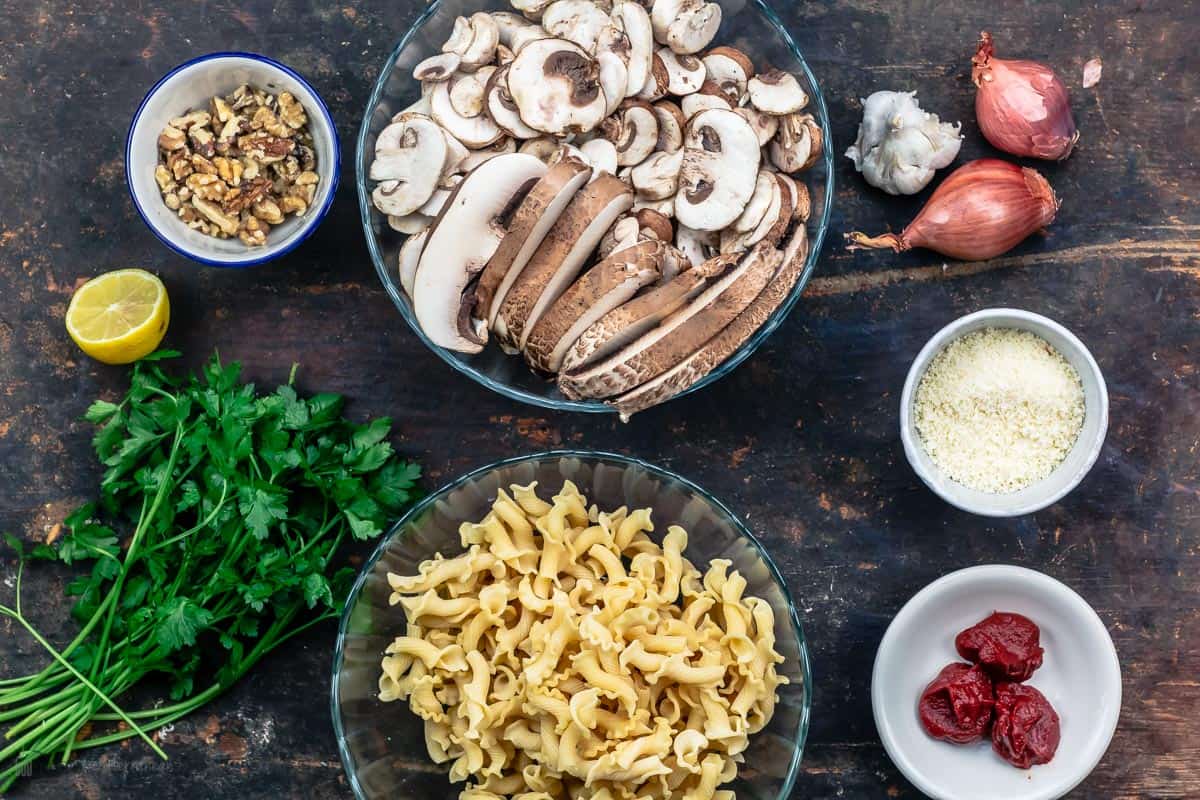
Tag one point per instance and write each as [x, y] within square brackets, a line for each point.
[899, 146]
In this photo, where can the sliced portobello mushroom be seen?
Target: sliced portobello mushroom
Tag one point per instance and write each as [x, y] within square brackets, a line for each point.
[560, 256]
[604, 287]
[410, 256]
[533, 219]
[679, 335]
[461, 241]
[556, 86]
[719, 171]
[776, 92]
[692, 369]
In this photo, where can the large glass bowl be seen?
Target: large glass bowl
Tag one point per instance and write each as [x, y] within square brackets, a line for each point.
[746, 24]
[382, 744]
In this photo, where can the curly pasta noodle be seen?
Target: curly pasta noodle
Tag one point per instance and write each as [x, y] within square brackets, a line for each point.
[566, 654]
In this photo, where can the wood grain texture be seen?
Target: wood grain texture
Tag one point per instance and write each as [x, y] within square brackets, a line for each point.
[801, 440]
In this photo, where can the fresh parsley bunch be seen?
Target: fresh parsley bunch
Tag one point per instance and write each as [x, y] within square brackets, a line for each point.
[212, 542]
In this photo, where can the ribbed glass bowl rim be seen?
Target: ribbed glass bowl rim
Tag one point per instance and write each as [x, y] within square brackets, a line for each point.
[748, 347]
[583, 455]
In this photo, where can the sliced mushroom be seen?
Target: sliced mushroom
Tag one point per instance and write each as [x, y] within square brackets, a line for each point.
[664, 12]
[614, 79]
[719, 171]
[729, 68]
[543, 147]
[797, 145]
[674, 262]
[433, 206]
[437, 68]
[533, 219]
[694, 30]
[765, 187]
[474, 132]
[681, 334]
[461, 241]
[504, 56]
[421, 106]
[456, 154]
[616, 329]
[658, 224]
[409, 164]
[502, 109]
[515, 31]
[502, 146]
[685, 73]
[634, 22]
[655, 86]
[776, 92]
[474, 39]
[532, 9]
[622, 234]
[765, 125]
[772, 220]
[601, 154]
[801, 199]
[670, 126]
[409, 224]
[634, 131]
[556, 86]
[559, 258]
[709, 96]
[666, 207]
[657, 178]
[467, 91]
[579, 21]
[696, 246]
[692, 369]
[601, 289]
[410, 256]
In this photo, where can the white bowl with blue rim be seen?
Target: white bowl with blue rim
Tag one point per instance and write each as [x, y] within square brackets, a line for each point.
[192, 85]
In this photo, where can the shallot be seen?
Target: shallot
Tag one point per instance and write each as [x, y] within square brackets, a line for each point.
[983, 209]
[1022, 107]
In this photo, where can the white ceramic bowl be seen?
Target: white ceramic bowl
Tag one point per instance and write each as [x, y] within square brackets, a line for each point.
[1068, 474]
[1080, 676]
[191, 85]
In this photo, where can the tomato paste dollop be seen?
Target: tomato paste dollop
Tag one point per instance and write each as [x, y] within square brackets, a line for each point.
[957, 705]
[1026, 728]
[1006, 645]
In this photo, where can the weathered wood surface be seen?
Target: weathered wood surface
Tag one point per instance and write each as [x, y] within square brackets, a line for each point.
[802, 439]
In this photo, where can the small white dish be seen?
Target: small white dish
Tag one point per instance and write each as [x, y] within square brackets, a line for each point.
[191, 85]
[1073, 468]
[1081, 677]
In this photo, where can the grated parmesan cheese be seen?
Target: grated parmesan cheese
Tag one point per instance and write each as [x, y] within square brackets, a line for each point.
[998, 409]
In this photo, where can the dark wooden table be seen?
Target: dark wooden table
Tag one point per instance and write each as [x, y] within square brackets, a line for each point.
[801, 440]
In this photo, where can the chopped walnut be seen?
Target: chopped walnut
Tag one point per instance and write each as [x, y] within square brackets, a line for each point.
[239, 167]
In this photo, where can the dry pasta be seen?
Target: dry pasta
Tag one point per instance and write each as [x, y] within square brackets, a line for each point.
[566, 654]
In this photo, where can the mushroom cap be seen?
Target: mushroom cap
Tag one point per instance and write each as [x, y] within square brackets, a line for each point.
[460, 242]
[560, 256]
[556, 86]
[694, 29]
[532, 220]
[719, 171]
[685, 73]
[776, 92]
[657, 223]
[409, 163]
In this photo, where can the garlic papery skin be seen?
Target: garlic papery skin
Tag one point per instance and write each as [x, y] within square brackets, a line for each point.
[899, 146]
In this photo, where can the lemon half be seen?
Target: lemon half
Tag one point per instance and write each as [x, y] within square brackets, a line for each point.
[119, 316]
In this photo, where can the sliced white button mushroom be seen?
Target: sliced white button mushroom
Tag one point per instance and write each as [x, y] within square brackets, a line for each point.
[556, 86]
[685, 73]
[623, 233]
[719, 172]
[474, 40]
[729, 68]
[764, 188]
[696, 246]
[773, 219]
[462, 240]
[542, 148]
[437, 68]
[634, 22]
[410, 256]
[681, 334]
[670, 126]
[532, 9]
[693, 368]
[532, 220]
[456, 154]
[503, 146]
[709, 96]
[601, 154]
[604, 287]
[515, 31]
[776, 92]
[655, 86]
[655, 224]
[409, 224]
[502, 109]
[765, 125]
[797, 145]
[467, 91]
[409, 164]
[694, 30]
[657, 178]
[666, 207]
[634, 131]
[665, 12]
[580, 21]
[614, 78]
[474, 132]
[433, 206]
[561, 255]
[421, 106]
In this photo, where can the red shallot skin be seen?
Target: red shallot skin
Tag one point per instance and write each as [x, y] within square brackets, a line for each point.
[1026, 729]
[1005, 644]
[1022, 107]
[956, 706]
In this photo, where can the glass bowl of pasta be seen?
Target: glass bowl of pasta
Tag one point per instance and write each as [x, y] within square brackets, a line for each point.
[571, 625]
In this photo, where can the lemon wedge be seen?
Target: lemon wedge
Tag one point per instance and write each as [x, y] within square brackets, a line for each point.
[119, 316]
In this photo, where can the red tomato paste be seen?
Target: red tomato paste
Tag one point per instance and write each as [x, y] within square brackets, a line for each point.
[1004, 644]
[957, 705]
[1026, 729]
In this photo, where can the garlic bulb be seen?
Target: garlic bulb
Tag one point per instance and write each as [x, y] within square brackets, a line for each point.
[900, 146]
